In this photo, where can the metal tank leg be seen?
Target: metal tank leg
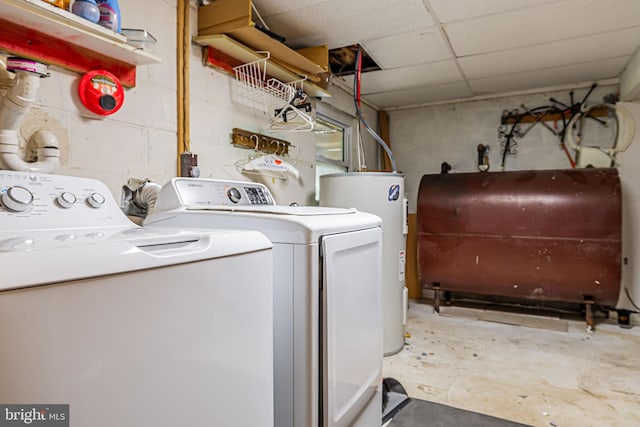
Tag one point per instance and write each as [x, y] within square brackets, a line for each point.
[588, 303]
[436, 297]
[447, 297]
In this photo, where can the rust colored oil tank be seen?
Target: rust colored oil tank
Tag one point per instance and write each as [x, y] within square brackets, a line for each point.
[550, 235]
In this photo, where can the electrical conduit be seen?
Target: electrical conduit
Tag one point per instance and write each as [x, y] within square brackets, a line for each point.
[15, 105]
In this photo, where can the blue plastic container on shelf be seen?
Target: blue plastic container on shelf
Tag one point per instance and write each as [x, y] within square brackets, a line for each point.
[87, 9]
[110, 14]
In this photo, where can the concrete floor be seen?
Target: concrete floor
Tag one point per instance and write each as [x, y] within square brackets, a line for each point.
[538, 370]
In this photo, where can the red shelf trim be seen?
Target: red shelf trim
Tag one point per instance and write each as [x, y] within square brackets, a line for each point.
[31, 44]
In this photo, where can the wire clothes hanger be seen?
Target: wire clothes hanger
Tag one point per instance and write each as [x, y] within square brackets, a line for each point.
[296, 113]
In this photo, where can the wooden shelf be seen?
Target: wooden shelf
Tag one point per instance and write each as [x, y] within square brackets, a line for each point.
[234, 18]
[40, 31]
[225, 53]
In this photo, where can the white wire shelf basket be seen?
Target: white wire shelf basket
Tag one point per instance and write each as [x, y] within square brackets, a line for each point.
[284, 103]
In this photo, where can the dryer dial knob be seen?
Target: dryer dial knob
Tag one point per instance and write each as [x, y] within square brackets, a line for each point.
[234, 194]
[17, 199]
[96, 200]
[66, 200]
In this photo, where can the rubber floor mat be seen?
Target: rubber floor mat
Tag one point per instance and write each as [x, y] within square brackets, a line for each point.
[420, 413]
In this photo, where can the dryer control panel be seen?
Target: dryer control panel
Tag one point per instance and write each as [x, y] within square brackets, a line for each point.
[200, 193]
[32, 201]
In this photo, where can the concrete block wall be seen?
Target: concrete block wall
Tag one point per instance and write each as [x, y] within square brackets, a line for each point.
[423, 138]
[140, 140]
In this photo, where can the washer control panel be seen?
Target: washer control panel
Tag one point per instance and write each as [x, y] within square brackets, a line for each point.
[31, 201]
[198, 193]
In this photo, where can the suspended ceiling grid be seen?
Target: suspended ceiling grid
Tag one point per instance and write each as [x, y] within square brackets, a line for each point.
[435, 50]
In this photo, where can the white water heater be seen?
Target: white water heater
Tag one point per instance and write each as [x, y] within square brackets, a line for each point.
[382, 194]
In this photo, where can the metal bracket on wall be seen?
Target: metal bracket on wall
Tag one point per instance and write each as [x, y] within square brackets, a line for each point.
[189, 165]
[267, 144]
[511, 117]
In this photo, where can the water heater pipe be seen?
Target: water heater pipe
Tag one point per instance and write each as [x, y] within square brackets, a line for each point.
[14, 106]
[360, 115]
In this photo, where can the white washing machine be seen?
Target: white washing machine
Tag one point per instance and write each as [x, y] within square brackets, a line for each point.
[327, 296]
[130, 326]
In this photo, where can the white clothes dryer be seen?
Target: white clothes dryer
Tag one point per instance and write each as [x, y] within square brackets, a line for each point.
[130, 326]
[327, 296]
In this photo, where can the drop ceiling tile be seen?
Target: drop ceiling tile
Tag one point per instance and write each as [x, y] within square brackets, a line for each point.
[403, 78]
[402, 50]
[339, 23]
[550, 22]
[419, 96]
[273, 7]
[576, 73]
[554, 54]
[460, 10]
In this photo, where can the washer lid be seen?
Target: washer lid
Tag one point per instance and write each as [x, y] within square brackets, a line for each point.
[279, 210]
[58, 256]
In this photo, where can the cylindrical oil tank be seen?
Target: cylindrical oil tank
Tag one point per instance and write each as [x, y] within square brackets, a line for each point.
[381, 194]
[552, 235]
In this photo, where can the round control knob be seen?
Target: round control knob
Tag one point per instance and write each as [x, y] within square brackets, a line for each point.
[96, 200]
[66, 200]
[234, 194]
[17, 199]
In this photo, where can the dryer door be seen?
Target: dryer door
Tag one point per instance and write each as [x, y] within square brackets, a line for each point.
[352, 324]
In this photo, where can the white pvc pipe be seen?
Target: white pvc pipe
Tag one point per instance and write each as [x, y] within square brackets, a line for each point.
[13, 108]
[19, 99]
[47, 152]
[6, 78]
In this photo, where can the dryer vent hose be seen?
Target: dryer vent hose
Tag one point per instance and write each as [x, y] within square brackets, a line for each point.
[147, 196]
[139, 197]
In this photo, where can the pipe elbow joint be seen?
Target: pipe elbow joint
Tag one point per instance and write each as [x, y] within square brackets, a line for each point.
[47, 151]
[45, 139]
